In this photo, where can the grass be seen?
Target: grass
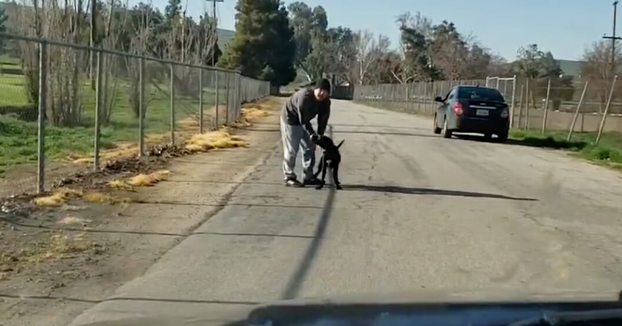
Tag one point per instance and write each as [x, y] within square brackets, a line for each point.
[608, 150]
[101, 198]
[12, 91]
[214, 140]
[57, 198]
[18, 138]
[145, 180]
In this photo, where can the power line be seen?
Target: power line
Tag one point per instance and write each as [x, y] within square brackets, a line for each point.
[613, 37]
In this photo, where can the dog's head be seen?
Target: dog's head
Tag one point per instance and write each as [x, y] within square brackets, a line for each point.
[327, 143]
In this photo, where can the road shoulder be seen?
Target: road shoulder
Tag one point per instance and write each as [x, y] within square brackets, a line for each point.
[113, 244]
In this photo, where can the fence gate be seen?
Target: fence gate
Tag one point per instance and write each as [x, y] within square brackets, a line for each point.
[507, 87]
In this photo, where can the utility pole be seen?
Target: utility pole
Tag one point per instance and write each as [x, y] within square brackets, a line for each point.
[613, 37]
[214, 29]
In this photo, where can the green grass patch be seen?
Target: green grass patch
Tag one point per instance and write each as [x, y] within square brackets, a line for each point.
[8, 60]
[608, 150]
[18, 138]
[12, 90]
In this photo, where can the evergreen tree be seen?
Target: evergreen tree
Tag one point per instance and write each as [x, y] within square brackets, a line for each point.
[264, 45]
[172, 11]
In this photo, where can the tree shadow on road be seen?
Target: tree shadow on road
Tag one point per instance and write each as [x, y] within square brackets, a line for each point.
[429, 191]
[542, 142]
[384, 133]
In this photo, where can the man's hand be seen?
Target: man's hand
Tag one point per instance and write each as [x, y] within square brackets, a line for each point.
[315, 138]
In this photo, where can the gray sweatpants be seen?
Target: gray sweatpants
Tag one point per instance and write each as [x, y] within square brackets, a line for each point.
[295, 137]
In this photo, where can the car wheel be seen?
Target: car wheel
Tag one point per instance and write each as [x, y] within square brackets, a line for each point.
[502, 137]
[446, 131]
[437, 130]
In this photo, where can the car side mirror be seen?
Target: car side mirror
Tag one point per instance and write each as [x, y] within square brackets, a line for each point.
[438, 99]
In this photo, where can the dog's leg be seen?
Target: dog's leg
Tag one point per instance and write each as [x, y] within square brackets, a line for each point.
[319, 167]
[336, 177]
[322, 180]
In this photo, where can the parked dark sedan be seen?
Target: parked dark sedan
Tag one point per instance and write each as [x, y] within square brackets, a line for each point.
[472, 109]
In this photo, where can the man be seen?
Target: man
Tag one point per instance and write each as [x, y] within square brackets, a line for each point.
[297, 131]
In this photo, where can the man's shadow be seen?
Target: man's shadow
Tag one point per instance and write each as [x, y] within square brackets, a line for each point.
[429, 191]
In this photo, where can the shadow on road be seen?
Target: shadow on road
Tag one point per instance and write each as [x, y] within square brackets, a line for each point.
[429, 191]
[339, 125]
[295, 282]
[262, 130]
[385, 133]
[222, 204]
[544, 142]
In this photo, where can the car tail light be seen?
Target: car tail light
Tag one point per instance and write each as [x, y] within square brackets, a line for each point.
[458, 108]
[504, 113]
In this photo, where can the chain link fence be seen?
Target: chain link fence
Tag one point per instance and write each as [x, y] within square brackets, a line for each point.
[59, 113]
[544, 103]
[412, 98]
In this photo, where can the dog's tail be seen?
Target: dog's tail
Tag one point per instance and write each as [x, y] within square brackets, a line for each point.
[340, 143]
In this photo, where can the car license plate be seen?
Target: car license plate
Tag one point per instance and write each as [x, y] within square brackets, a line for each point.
[483, 113]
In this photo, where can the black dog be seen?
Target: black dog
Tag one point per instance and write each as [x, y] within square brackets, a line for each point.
[330, 159]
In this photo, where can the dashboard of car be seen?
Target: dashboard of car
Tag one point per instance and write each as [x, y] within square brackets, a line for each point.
[473, 314]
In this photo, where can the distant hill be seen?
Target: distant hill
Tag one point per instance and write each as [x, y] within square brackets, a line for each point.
[570, 67]
[224, 37]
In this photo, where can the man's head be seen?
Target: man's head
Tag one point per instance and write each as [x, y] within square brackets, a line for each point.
[321, 90]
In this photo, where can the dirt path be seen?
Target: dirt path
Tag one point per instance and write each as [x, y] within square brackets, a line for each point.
[57, 262]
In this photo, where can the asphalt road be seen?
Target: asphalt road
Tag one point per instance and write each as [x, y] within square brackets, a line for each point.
[417, 212]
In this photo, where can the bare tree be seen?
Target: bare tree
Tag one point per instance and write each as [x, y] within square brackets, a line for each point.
[597, 68]
[195, 44]
[400, 68]
[363, 40]
[416, 40]
[60, 21]
[93, 34]
[370, 50]
[108, 82]
[139, 44]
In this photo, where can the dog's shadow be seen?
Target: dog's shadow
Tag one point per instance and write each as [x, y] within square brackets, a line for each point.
[428, 191]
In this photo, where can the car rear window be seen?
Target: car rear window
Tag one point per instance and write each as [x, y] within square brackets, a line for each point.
[477, 93]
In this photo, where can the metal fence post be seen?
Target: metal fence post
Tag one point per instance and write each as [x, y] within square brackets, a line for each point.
[172, 103]
[43, 71]
[513, 107]
[546, 105]
[98, 103]
[602, 121]
[238, 91]
[520, 106]
[228, 82]
[216, 87]
[527, 102]
[576, 112]
[201, 100]
[141, 107]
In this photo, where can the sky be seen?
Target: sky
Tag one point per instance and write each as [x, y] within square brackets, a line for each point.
[564, 27]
